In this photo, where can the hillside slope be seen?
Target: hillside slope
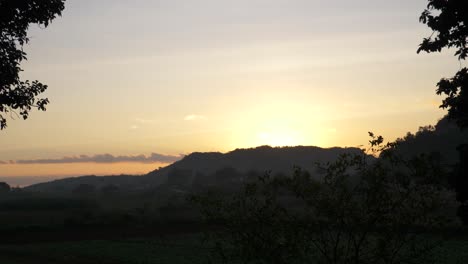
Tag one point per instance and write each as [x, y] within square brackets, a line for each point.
[259, 160]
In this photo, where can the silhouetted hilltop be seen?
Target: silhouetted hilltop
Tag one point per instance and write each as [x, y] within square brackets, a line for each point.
[214, 167]
[97, 183]
[261, 159]
[443, 138]
[203, 165]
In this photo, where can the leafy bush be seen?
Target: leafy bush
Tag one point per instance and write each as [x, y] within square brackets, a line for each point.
[361, 211]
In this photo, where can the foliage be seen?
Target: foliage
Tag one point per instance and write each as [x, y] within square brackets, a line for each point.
[4, 187]
[45, 204]
[361, 211]
[170, 250]
[460, 183]
[84, 189]
[110, 189]
[448, 19]
[15, 18]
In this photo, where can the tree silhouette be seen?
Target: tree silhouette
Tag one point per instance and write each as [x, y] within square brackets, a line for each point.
[4, 187]
[360, 211]
[449, 21]
[84, 189]
[15, 18]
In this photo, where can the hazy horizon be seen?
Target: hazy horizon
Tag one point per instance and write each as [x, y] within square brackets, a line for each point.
[98, 162]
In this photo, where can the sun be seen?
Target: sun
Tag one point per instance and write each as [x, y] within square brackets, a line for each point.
[278, 138]
[275, 129]
[281, 137]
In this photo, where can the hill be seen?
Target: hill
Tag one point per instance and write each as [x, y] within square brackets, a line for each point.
[214, 167]
[203, 166]
[441, 139]
[68, 185]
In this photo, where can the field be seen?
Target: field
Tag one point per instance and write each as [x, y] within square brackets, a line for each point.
[71, 230]
[176, 249]
[45, 229]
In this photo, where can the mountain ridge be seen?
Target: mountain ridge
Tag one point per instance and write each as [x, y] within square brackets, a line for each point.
[244, 160]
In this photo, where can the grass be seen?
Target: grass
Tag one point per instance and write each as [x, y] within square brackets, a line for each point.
[453, 252]
[175, 250]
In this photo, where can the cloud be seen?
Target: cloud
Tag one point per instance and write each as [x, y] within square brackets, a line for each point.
[134, 127]
[103, 158]
[145, 121]
[194, 117]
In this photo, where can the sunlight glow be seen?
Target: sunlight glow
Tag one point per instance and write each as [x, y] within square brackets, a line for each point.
[209, 76]
[278, 138]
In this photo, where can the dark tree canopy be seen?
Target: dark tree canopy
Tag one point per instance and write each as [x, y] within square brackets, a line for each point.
[4, 187]
[448, 20]
[15, 17]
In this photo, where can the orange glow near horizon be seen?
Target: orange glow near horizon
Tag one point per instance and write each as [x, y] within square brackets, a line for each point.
[79, 169]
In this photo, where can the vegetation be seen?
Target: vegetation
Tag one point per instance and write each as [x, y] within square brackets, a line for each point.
[359, 212]
[172, 250]
[440, 139]
[183, 249]
[448, 19]
[4, 187]
[15, 18]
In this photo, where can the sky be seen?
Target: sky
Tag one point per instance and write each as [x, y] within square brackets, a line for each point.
[135, 85]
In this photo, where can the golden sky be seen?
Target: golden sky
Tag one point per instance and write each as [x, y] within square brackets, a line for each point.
[132, 78]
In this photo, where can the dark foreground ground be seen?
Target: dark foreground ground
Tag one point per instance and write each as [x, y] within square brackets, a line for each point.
[49, 230]
[184, 249]
[174, 243]
[168, 248]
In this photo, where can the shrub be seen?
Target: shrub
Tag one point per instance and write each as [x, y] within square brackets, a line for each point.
[362, 210]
